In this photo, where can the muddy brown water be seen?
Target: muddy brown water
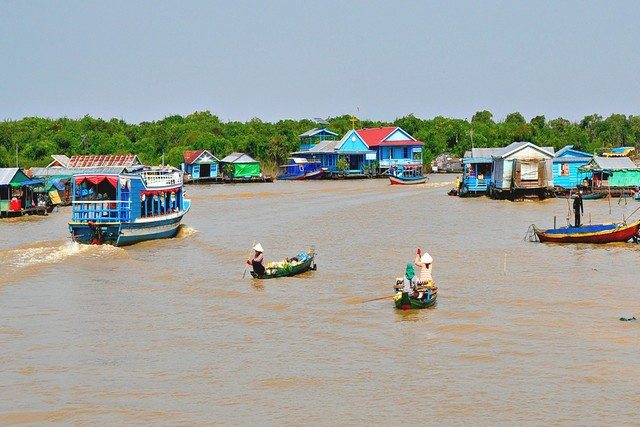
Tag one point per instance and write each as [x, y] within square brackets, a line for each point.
[169, 332]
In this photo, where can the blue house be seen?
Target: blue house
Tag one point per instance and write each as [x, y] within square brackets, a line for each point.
[393, 146]
[200, 164]
[312, 137]
[477, 165]
[566, 163]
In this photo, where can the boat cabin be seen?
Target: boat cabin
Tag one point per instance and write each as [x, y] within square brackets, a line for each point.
[407, 170]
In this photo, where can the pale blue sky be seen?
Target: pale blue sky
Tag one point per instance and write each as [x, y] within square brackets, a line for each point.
[303, 59]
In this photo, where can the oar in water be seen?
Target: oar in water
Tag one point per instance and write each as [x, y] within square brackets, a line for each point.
[377, 299]
[248, 255]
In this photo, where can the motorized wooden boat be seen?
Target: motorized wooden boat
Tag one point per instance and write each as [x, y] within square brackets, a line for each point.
[405, 301]
[596, 233]
[398, 180]
[122, 209]
[406, 175]
[289, 267]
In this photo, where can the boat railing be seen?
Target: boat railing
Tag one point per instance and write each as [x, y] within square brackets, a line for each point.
[101, 211]
[161, 178]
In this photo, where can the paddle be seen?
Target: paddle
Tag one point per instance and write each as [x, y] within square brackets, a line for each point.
[248, 255]
[377, 299]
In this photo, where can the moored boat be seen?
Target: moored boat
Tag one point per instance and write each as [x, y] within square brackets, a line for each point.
[587, 196]
[409, 174]
[122, 209]
[301, 263]
[300, 169]
[596, 233]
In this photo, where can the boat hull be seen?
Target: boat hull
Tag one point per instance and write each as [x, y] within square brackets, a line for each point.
[309, 175]
[407, 302]
[123, 234]
[600, 233]
[395, 180]
[305, 266]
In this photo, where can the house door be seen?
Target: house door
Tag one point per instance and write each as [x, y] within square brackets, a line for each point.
[354, 162]
[205, 171]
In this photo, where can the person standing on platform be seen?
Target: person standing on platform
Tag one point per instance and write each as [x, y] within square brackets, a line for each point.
[578, 208]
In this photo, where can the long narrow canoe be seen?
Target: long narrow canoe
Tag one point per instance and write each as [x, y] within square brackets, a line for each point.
[597, 233]
[290, 269]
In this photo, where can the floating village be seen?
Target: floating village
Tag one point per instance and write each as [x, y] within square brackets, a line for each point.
[117, 200]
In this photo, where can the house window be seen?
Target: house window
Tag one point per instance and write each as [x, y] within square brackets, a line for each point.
[564, 169]
[405, 153]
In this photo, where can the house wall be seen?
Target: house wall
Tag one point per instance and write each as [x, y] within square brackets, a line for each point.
[573, 178]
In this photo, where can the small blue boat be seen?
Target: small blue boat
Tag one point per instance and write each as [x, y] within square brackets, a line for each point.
[300, 168]
[406, 175]
[122, 209]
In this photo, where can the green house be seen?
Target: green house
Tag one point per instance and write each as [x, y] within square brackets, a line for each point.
[240, 165]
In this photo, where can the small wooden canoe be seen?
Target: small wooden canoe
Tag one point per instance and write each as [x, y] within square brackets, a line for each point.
[597, 233]
[404, 301]
[290, 267]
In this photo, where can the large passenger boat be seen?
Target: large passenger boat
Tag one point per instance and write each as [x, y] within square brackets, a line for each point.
[122, 209]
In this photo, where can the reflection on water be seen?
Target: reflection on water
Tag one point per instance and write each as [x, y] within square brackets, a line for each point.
[170, 332]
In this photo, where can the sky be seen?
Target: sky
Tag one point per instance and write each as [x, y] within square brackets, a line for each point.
[275, 60]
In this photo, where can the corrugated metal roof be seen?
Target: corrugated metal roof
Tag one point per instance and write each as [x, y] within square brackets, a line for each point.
[515, 146]
[44, 172]
[7, 174]
[316, 131]
[611, 163]
[104, 160]
[238, 158]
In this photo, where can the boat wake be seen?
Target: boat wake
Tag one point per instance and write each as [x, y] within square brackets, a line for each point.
[53, 252]
[185, 231]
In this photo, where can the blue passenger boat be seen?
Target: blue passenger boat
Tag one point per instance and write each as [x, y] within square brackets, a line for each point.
[300, 168]
[122, 209]
[406, 175]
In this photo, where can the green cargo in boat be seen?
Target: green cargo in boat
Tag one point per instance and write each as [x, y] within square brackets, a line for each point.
[289, 267]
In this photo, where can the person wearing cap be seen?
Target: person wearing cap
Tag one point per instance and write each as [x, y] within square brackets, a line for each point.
[578, 208]
[257, 262]
[424, 261]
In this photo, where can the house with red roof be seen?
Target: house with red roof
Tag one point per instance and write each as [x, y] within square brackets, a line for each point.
[360, 148]
[200, 164]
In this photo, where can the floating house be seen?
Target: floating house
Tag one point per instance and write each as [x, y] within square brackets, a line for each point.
[240, 166]
[389, 146]
[566, 164]
[522, 169]
[313, 137]
[393, 146]
[200, 165]
[446, 163]
[617, 175]
[477, 166]
[620, 152]
[19, 194]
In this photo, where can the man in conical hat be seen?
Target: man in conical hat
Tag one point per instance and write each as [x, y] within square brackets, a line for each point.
[257, 262]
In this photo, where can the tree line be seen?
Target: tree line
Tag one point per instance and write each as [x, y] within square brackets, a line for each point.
[36, 139]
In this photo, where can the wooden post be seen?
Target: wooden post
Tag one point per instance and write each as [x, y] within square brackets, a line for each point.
[554, 222]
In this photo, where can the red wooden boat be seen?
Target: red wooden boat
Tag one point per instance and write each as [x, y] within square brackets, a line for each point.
[597, 233]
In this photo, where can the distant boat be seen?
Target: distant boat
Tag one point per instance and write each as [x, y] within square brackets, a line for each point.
[409, 174]
[597, 233]
[587, 196]
[289, 267]
[122, 209]
[300, 168]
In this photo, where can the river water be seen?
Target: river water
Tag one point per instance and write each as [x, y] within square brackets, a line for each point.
[170, 332]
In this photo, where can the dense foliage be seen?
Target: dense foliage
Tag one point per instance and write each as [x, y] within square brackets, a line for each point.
[37, 138]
